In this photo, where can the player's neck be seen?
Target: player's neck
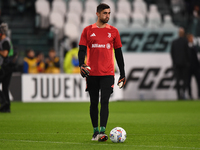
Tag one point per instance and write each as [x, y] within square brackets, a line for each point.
[100, 24]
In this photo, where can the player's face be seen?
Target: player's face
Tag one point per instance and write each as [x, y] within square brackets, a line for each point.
[104, 15]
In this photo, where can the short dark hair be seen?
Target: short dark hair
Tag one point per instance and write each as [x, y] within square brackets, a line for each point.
[101, 7]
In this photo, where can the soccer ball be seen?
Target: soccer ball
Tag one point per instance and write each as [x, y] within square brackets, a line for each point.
[118, 135]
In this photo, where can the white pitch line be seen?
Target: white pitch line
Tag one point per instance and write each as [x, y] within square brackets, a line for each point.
[90, 134]
[123, 145]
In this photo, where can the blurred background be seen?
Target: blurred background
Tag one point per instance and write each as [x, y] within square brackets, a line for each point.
[49, 31]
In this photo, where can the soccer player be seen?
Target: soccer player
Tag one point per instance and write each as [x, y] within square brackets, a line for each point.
[98, 40]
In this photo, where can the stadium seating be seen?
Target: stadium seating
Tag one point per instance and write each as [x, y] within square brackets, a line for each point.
[75, 6]
[71, 31]
[163, 7]
[89, 18]
[154, 18]
[42, 9]
[90, 6]
[140, 6]
[123, 6]
[177, 6]
[77, 14]
[57, 22]
[168, 23]
[73, 18]
[138, 20]
[59, 6]
[122, 20]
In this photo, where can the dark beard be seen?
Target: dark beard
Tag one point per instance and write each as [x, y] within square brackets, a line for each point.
[104, 20]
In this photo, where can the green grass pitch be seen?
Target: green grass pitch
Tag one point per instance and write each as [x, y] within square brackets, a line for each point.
[66, 126]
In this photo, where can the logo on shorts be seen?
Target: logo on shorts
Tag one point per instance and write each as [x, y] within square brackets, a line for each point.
[108, 45]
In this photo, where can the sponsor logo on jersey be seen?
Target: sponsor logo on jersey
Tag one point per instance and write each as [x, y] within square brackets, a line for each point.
[101, 46]
[98, 45]
[109, 35]
[93, 34]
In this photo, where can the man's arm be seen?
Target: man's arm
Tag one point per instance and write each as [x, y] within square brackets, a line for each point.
[120, 61]
[84, 69]
[5, 50]
[4, 53]
[81, 54]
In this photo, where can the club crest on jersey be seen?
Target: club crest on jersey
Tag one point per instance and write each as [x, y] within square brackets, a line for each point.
[108, 45]
[109, 35]
[93, 34]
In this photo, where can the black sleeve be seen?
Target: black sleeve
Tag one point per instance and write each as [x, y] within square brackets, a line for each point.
[6, 46]
[120, 61]
[81, 54]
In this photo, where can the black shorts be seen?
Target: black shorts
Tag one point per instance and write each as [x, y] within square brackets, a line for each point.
[100, 82]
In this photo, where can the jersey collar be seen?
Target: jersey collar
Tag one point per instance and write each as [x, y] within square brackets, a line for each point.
[95, 26]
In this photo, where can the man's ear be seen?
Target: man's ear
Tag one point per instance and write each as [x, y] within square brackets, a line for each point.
[97, 14]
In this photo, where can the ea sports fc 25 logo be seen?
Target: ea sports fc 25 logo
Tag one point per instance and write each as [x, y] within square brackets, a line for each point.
[101, 46]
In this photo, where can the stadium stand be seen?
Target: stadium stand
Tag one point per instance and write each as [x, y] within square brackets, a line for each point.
[42, 9]
[89, 18]
[90, 6]
[122, 20]
[168, 22]
[57, 22]
[140, 6]
[59, 6]
[71, 30]
[123, 6]
[75, 6]
[138, 20]
[73, 18]
[154, 15]
[55, 16]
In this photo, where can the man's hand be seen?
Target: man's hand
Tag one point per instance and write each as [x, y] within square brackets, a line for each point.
[121, 82]
[85, 70]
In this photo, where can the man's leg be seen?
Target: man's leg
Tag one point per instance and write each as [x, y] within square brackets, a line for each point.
[94, 100]
[178, 79]
[106, 85]
[93, 89]
[189, 85]
[197, 76]
[5, 89]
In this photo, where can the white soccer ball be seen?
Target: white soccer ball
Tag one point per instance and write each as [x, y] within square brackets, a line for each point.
[118, 135]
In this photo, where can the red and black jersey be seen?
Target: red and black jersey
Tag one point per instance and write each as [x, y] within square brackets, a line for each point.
[100, 43]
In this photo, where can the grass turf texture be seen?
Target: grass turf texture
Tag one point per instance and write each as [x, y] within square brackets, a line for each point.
[149, 125]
